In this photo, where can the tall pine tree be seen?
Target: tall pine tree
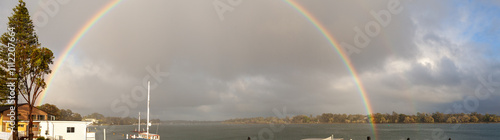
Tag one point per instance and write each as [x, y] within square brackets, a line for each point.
[31, 60]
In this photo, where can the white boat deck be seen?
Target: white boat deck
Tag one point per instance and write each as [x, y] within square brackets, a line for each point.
[329, 138]
[324, 139]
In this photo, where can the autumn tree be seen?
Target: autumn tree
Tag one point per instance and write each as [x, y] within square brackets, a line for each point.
[428, 119]
[464, 118]
[452, 120]
[474, 119]
[31, 60]
[409, 119]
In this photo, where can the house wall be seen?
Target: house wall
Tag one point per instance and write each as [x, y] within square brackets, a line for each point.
[2, 123]
[23, 118]
[55, 129]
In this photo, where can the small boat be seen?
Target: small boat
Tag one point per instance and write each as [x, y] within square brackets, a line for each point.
[329, 138]
[145, 135]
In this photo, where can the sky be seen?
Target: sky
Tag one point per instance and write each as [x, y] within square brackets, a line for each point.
[258, 57]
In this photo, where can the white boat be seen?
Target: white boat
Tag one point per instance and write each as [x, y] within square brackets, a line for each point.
[146, 135]
[329, 138]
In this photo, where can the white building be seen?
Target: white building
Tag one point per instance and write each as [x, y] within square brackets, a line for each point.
[66, 130]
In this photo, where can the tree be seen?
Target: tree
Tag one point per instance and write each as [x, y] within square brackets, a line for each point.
[402, 118]
[326, 117]
[438, 117]
[452, 120]
[394, 117]
[474, 119]
[95, 115]
[464, 118]
[377, 118]
[51, 109]
[420, 117]
[4, 90]
[68, 115]
[301, 119]
[429, 119]
[409, 119]
[489, 118]
[383, 120]
[31, 60]
[76, 117]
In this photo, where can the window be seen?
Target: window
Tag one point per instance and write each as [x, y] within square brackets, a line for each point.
[41, 117]
[70, 129]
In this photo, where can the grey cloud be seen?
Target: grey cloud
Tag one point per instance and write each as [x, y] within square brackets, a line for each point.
[265, 55]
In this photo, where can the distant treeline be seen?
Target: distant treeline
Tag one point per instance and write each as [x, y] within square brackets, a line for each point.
[102, 120]
[68, 115]
[375, 118]
[60, 114]
[189, 122]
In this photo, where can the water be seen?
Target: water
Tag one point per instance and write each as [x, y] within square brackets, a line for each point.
[218, 131]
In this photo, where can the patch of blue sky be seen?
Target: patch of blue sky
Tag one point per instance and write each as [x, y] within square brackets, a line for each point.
[484, 25]
[490, 25]
[490, 32]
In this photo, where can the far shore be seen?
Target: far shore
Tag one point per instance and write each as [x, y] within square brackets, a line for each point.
[221, 122]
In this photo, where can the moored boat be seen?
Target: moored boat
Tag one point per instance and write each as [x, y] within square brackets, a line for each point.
[329, 138]
[146, 135]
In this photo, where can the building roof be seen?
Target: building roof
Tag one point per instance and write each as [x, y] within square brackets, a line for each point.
[59, 121]
[7, 107]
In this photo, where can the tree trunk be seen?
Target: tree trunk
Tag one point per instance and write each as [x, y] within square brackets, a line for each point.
[15, 134]
[30, 124]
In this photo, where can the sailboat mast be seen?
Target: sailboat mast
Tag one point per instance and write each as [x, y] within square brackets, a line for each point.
[147, 123]
[139, 125]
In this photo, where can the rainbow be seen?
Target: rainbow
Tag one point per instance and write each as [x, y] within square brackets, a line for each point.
[343, 55]
[75, 41]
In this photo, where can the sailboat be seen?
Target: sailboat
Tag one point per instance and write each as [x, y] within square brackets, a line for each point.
[146, 135]
[138, 130]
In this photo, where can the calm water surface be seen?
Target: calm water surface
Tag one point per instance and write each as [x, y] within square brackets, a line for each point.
[300, 131]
